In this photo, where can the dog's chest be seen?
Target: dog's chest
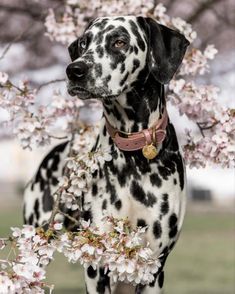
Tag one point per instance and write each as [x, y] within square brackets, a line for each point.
[130, 186]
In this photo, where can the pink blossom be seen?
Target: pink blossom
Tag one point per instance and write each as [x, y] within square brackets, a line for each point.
[6, 284]
[185, 28]
[58, 226]
[2, 244]
[3, 78]
[210, 52]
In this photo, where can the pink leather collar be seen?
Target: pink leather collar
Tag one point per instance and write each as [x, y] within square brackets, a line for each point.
[135, 141]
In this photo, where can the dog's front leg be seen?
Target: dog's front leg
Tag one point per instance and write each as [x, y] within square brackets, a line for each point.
[153, 288]
[97, 281]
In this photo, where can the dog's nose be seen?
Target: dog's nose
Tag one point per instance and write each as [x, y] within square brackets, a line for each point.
[76, 71]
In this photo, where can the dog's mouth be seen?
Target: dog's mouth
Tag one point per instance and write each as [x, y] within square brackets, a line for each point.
[81, 92]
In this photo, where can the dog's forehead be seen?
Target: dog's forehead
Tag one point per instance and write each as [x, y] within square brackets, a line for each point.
[115, 19]
[106, 24]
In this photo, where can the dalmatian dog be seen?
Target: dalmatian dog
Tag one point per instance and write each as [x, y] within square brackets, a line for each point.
[124, 62]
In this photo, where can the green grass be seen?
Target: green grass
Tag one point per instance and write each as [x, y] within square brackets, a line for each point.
[201, 263]
[203, 260]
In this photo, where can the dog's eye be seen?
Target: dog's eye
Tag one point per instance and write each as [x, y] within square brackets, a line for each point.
[119, 44]
[83, 44]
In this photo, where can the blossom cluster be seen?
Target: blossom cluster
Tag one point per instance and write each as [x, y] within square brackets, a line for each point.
[34, 125]
[25, 273]
[120, 250]
[216, 147]
[177, 23]
[76, 14]
[67, 27]
[196, 61]
[198, 102]
[80, 168]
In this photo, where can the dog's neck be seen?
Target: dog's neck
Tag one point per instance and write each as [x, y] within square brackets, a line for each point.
[138, 109]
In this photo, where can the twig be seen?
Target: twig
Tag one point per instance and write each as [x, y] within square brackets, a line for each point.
[58, 138]
[200, 129]
[50, 82]
[9, 85]
[5, 261]
[17, 38]
[4, 239]
[211, 126]
[58, 194]
[55, 209]
[16, 87]
[6, 49]
[204, 128]
[69, 217]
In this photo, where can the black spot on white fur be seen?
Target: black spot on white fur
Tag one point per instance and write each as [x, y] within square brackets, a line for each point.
[161, 279]
[155, 180]
[157, 229]
[100, 51]
[136, 64]
[141, 223]
[118, 204]
[173, 229]
[147, 199]
[164, 204]
[92, 273]
[94, 189]
[36, 209]
[104, 204]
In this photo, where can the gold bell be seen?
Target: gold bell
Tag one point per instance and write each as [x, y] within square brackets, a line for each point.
[149, 151]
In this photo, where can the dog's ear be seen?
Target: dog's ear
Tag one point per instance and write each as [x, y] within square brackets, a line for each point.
[167, 49]
[73, 50]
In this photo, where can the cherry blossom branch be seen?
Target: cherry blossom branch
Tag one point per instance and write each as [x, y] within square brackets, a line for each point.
[56, 205]
[120, 250]
[49, 83]
[72, 219]
[16, 39]
[22, 91]
[58, 194]
[58, 138]
[200, 129]
[204, 126]
[35, 127]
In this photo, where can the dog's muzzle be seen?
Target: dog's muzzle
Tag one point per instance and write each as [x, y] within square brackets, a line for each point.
[77, 73]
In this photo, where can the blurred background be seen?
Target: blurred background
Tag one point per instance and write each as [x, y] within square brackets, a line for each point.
[204, 259]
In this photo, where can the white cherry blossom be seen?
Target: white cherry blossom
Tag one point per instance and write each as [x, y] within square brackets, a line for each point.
[3, 78]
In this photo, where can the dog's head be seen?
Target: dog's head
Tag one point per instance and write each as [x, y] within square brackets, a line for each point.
[114, 52]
